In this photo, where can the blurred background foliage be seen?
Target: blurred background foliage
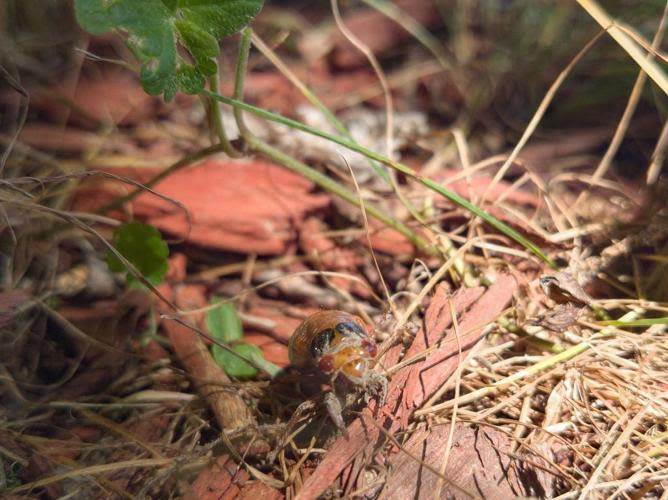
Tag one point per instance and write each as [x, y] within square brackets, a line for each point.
[503, 56]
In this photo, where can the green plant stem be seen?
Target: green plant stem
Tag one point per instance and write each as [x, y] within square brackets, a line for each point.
[333, 187]
[434, 186]
[302, 169]
[637, 322]
[278, 156]
[313, 99]
[447, 246]
[216, 119]
[239, 79]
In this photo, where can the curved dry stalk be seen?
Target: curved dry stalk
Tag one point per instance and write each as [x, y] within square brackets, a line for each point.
[187, 312]
[373, 61]
[186, 161]
[631, 105]
[94, 470]
[538, 115]
[658, 156]
[419, 32]
[23, 116]
[367, 232]
[650, 67]
[453, 420]
[121, 178]
[69, 218]
[389, 104]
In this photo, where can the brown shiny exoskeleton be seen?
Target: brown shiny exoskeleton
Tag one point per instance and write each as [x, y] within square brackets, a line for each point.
[338, 343]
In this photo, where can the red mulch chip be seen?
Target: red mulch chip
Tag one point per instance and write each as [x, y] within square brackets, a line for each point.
[103, 96]
[243, 207]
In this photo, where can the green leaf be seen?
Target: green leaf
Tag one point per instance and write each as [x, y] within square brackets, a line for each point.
[93, 16]
[154, 27]
[267, 366]
[223, 322]
[235, 366]
[221, 18]
[202, 45]
[189, 79]
[144, 247]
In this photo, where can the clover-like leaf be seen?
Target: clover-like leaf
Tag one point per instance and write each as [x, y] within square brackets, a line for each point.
[223, 322]
[267, 366]
[234, 365]
[144, 247]
[154, 27]
[202, 45]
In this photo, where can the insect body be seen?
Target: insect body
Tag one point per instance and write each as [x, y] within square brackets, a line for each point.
[337, 343]
[334, 342]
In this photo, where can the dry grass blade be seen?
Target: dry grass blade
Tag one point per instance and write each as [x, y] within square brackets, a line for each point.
[373, 61]
[658, 156]
[538, 115]
[649, 66]
[451, 431]
[631, 105]
[23, 114]
[419, 32]
[93, 470]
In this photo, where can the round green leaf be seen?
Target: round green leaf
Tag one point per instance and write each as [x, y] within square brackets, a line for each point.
[144, 247]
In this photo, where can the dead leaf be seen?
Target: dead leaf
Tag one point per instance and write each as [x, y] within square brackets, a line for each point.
[560, 317]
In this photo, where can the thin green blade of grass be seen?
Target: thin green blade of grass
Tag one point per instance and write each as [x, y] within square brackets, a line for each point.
[637, 322]
[339, 190]
[312, 98]
[430, 184]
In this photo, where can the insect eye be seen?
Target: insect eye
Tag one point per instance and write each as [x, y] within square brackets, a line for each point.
[348, 329]
[548, 280]
[321, 342]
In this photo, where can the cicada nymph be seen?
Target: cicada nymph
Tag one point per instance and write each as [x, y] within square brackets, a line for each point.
[338, 345]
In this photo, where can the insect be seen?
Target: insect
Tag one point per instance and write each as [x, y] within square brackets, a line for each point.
[563, 288]
[338, 345]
